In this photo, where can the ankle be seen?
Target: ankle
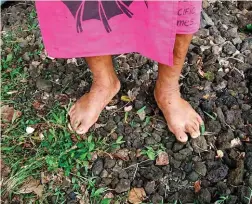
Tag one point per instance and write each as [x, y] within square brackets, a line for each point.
[107, 82]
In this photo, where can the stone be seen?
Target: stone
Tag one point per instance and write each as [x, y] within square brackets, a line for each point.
[221, 86]
[229, 48]
[233, 32]
[207, 19]
[204, 196]
[156, 136]
[150, 187]
[250, 181]
[245, 107]
[236, 40]
[26, 56]
[193, 176]
[248, 161]
[152, 173]
[150, 141]
[107, 181]
[177, 146]
[179, 156]
[219, 40]
[200, 168]
[176, 164]
[44, 85]
[162, 159]
[199, 144]
[217, 173]
[156, 198]
[97, 167]
[122, 186]
[104, 173]
[123, 174]
[236, 176]
[203, 33]
[244, 192]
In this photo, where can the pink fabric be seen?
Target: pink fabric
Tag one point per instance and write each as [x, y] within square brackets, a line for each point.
[147, 27]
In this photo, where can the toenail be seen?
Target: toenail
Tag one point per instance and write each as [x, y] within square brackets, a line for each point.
[195, 134]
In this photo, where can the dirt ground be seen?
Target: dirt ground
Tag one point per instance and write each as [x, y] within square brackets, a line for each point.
[129, 155]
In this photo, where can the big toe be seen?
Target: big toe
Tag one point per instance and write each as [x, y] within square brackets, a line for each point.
[181, 135]
[83, 128]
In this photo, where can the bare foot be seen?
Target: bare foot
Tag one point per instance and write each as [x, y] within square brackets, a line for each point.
[180, 116]
[85, 112]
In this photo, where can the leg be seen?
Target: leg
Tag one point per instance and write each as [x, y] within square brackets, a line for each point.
[85, 112]
[180, 116]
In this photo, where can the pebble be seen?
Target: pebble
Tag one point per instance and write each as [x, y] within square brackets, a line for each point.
[204, 196]
[229, 48]
[150, 141]
[156, 136]
[175, 163]
[150, 187]
[123, 174]
[236, 40]
[233, 32]
[193, 176]
[104, 173]
[122, 186]
[219, 40]
[156, 198]
[200, 168]
[199, 144]
[97, 167]
[177, 146]
[236, 176]
[44, 85]
[26, 56]
[245, 107]
[250, 181]
[109, 163]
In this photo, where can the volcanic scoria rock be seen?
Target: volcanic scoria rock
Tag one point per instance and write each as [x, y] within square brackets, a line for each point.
[122, 186]
[199, 144]
[217, 173]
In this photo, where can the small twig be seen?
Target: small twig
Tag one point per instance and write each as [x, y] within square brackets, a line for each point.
[120, 108]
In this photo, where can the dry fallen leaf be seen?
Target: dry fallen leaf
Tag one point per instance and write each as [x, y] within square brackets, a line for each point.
[220, 154]
[133, 93]
[9, 114]
[197, 186]
[235, 142]
[136, 195]
[125, 98]
[122, 154]
[127, 108]
[31, 185]
[97, 125]
[111, 108]
[108, 195]
[162, 159]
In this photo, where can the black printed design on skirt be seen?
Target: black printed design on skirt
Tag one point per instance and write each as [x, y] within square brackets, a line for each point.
[101, 10]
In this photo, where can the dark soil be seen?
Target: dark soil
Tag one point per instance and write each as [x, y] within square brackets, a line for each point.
[223, 98]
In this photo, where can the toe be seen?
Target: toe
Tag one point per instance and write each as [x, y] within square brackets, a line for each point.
[82, 129]
[193, 130]
[199, 119]
[75, 122]
[71, 110]
[181, 135]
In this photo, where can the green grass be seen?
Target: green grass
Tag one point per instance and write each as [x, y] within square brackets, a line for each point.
[50, 149]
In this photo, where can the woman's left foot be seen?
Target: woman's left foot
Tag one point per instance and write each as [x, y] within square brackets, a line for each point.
[180, 116]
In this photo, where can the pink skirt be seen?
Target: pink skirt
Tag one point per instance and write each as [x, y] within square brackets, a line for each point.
[91, 28]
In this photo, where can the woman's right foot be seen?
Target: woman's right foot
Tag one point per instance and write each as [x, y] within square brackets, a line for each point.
[86, 111]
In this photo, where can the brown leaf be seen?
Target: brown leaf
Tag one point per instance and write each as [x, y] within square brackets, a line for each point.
[122, 154]
[136, 195]
[5, 170]
[9, 114]
[108, 195]
[37, 105]
[31, 185]
[162, 159]
[197, 186]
